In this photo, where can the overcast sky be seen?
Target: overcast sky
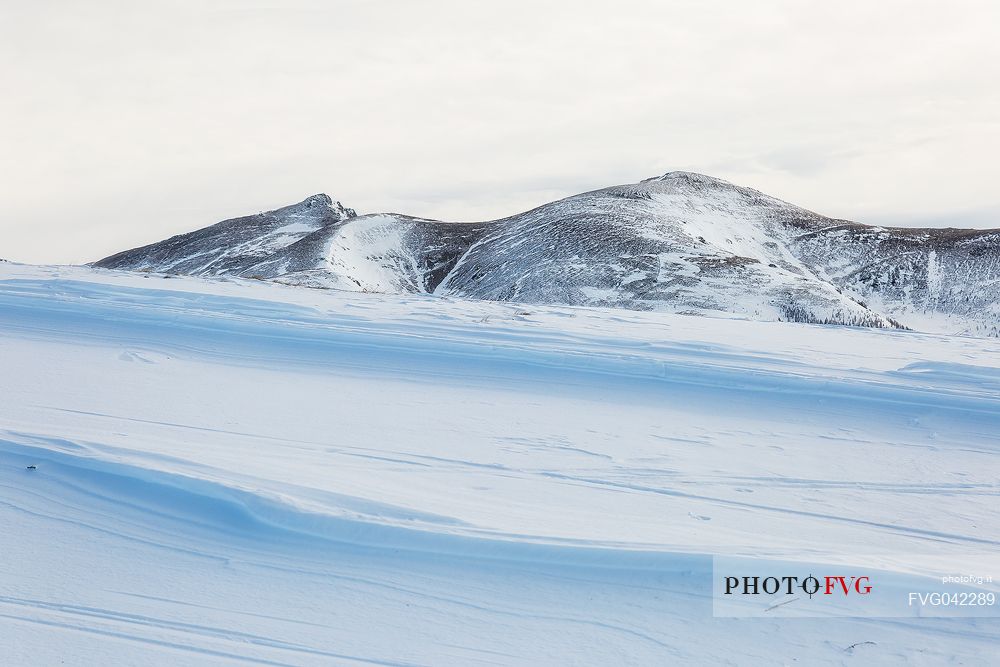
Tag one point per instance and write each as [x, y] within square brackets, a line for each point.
[126, 122]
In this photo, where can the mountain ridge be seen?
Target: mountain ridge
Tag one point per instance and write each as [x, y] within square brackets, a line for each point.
[681, 242]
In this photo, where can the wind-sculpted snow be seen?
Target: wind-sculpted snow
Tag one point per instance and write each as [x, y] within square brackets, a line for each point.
[680, 243]
[231, 470]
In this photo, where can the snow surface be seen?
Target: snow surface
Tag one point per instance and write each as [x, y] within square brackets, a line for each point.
[237, 471]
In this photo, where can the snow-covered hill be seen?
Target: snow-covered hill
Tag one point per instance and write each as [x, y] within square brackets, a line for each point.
[232, 471]
[681, 243]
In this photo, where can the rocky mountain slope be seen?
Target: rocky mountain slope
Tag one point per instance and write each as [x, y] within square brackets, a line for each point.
[682, 242]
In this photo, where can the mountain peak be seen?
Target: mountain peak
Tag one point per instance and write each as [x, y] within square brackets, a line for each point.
[323, 201]
[693, 178]
[321, 198]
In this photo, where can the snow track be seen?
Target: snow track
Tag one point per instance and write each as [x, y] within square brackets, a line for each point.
[235, 471]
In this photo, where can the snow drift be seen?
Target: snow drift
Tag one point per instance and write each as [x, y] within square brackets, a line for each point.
[231, 470]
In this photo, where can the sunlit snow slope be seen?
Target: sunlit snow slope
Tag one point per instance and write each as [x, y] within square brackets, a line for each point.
[236, 471]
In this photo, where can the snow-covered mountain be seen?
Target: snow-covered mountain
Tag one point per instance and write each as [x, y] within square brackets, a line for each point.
[682, 243]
